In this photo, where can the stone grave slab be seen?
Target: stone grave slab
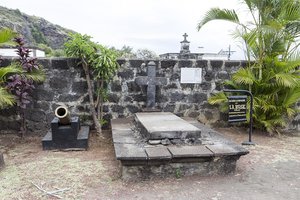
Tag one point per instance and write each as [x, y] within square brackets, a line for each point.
[160, 125]
[158, 153]
[130, 152]
[225, 150]
[190, 151]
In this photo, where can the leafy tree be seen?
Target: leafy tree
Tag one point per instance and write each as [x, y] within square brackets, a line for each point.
[272, 39]
[146, 54]
[98, 61]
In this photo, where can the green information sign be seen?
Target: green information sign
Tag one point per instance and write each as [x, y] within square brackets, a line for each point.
[237, 108]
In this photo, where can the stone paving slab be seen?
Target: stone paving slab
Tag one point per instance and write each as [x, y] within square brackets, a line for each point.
[124, 136]
[224, 150]
[189, 151]
[130, 152]
[160, 125]
[158, 153]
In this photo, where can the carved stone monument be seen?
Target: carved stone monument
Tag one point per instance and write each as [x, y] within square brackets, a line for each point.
[66, 132]
[151, 81]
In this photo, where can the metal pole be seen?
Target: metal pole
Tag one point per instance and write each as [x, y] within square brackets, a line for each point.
[249, 142]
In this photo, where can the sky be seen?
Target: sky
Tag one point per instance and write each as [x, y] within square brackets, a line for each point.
[157, 25]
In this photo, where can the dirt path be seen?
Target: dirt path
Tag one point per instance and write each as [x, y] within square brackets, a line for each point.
[270, 171]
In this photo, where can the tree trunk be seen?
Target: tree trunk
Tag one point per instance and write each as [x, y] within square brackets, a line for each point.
[1, 161]
[23, 123]
[90, 92]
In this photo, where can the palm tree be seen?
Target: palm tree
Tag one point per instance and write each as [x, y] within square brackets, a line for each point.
[272, 39]
[6, 99]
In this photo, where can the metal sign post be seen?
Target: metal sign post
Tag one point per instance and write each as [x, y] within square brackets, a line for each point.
[238, 110]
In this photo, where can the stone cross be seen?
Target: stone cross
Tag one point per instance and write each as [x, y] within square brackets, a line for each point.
[151, 81]
[185, 36]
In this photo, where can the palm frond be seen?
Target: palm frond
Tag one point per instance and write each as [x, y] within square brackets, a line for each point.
[6, 99]
[12, 69]
[6, 35]
[287, 80]
[244, 76]
[36, 75]
[219, 14]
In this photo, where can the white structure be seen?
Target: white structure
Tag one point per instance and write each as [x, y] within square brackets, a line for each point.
[11, 52]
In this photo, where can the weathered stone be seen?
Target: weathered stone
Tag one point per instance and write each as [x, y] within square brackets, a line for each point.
[205, 86]
[176, 96]
[117, 108]
[175, 77]
[154, 142]
[59, 63]
[116, 86]
[201, 63]
[197, 98]
[168, 63]
[169, 108]
[165, 141]
[42, 94]
[190, 151]
[209, 75]
[133, 109]
[161, 125]
[35, 115]
[121, 61]
[133, 87]
[139, 98]
[185, 63]
[79, 87]
[158, 153]
[57, 83]
[170, 86]
[216, 64]
[126, 74]
[11, 111]
[113, 98]
[230, 64]
[68, 97]
[136, 63]
[223, 75]
[151, 81]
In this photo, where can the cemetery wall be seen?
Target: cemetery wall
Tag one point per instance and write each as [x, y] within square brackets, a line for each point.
[65, 84]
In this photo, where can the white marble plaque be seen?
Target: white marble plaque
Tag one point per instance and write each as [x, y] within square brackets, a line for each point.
[191, 75]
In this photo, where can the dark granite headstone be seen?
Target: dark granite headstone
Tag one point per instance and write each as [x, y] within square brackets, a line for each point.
[151, 81]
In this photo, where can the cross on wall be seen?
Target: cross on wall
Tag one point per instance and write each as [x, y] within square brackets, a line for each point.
[151, 81]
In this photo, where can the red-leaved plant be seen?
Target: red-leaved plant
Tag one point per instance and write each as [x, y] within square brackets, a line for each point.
[21, 85]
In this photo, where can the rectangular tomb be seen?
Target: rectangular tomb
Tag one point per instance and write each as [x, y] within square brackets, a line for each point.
[160, 125]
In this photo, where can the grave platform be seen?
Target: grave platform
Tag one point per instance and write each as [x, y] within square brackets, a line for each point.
[141, 160]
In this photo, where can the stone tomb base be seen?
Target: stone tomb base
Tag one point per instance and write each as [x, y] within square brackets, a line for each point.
[72, 136]
[142, 160]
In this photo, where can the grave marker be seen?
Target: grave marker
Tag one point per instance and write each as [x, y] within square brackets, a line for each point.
[151, 81]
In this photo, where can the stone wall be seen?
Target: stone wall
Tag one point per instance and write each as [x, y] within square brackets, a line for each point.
[65, 84]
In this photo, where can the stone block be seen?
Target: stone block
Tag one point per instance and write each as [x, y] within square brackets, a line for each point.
[216, 64]
[116, 86]
[79, 87]
[223, 75]
[130, 152]
[135, 63]
[126, 74]
[205, 86]
[133, 87]
[133, 108]
[176, 96]
[158, 153]
[208, 75]
[168, 63]
[5, 62]
[185, 63]
[190, 151]
[113, 98]
[197, 98]
[201, 63]
[169, 108]
[161, 125]
[232, 64]
[59, 83]
[121, 61]
[117, 108]
[60, 63]
[175, 77]
[43, 94]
